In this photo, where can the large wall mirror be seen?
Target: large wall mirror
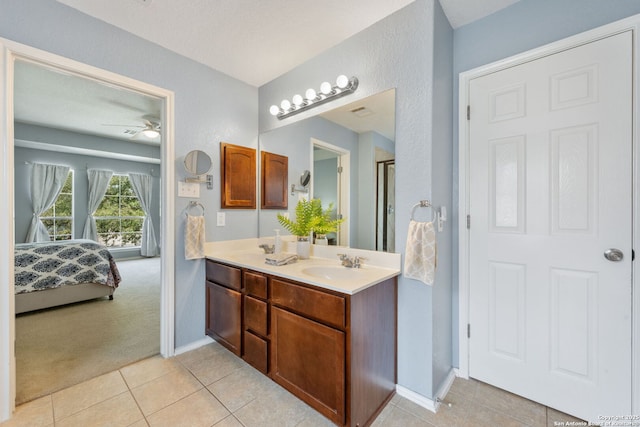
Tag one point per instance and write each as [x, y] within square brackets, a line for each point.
[350, 152]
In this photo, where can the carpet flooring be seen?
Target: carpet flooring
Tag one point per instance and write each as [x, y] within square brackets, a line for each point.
[60, 347]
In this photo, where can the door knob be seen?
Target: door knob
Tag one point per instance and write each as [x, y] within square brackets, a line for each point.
[613, 254]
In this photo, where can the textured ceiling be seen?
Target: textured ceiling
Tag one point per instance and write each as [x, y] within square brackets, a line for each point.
[258, 40]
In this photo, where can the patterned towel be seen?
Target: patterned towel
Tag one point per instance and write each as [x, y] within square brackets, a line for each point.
[420, 255]
[194, 237]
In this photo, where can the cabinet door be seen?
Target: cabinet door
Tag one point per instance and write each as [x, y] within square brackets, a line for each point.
[238, 172]
[224, 316]
[275, 178]
[308, 359]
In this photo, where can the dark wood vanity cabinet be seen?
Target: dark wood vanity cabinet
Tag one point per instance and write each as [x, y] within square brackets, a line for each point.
[256, 321]
[337, 352]
[224, 305]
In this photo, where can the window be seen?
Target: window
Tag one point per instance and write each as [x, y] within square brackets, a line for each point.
[119, 217]
[58, 219]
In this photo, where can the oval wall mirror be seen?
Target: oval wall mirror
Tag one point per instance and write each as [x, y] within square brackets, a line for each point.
[197, 162]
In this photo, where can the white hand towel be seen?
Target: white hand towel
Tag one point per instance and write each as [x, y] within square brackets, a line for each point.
[194, 237]
[420, 253]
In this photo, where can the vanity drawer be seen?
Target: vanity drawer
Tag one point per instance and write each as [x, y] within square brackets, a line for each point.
[255, 284]
[256, 352]
[322, 306]
[255, 315]
[224, 275]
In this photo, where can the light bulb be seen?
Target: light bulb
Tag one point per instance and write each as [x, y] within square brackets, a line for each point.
[325, 88]
[342, 81]
[285, 104]
[297, 100]
[274, 110]
[310, 94]
[150, 133]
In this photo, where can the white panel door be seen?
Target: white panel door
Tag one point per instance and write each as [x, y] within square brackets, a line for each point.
[550, 192]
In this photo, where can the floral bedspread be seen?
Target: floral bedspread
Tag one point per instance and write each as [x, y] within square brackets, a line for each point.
[52, 264]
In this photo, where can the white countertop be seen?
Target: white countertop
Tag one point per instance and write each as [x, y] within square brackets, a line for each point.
[322, 269]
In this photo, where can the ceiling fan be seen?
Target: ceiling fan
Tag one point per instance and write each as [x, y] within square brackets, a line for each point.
[150, 129]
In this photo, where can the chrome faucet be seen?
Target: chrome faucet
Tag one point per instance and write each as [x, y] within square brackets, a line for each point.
[350, 262]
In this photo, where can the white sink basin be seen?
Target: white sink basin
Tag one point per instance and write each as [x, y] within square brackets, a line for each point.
[330, 272]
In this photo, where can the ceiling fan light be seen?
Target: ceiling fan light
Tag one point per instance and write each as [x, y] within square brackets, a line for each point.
[150, 133]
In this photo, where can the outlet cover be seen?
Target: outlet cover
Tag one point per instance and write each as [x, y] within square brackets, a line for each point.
[188, 189]
[220, 219]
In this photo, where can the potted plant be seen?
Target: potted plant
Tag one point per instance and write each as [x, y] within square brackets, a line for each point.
[310, 217]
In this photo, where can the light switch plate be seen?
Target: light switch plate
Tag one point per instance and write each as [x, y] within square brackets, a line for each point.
[220, 219]
[188, 189]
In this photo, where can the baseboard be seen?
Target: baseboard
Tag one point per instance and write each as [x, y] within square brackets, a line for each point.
[194, 345]
[425, 402]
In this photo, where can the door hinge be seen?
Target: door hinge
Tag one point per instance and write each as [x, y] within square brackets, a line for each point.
[468, 330]
[339, 169]
[468, 112]
[633, 254]
[468, 222]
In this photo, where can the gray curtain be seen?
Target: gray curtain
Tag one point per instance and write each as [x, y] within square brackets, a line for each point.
[141, 184]
[46, 183]
[98, 183]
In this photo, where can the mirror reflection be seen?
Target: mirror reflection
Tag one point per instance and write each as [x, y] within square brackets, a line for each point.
[350, 154]
[197, 162]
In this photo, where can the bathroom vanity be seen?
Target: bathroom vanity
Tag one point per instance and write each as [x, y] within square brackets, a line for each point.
[324, 332]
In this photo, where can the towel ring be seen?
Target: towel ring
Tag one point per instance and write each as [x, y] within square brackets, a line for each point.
[422, 204]
[194, 204]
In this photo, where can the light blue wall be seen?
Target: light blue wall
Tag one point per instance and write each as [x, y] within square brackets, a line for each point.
[397, 52]
[523, 26]
[442, 179]
[79, 163]
[209, 107]
[367, 176]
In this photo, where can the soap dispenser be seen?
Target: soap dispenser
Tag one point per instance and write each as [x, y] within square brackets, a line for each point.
[278, 243]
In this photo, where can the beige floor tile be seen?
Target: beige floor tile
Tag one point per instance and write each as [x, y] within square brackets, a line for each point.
[230, 421]
[216, 367]
[120, 410]
[165, 390]
[464, 387]
[208, 351]
[398, 417]
[481, 416]
[384, 414]
[241, 387]
[37, 413]
[147, 370]
[278, 408]
[454, 415]
[76, 398]
[526, 411]
[199, 409]
[141, 423]
[557, 418]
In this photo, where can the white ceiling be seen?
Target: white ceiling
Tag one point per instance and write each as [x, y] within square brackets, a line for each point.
[256, 41]
[231, 36]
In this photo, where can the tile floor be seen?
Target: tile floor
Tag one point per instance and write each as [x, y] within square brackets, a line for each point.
[211, 387]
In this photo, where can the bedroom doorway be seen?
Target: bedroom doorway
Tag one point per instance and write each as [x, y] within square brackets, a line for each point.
[15, 53]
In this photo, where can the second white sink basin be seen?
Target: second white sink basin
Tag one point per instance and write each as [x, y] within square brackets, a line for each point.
[330, 272]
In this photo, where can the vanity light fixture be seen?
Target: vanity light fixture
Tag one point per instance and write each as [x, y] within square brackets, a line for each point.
[328, 92]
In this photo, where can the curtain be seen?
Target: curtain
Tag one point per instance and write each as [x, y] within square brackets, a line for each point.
[98, 184]
[46, 183]
[141, 184]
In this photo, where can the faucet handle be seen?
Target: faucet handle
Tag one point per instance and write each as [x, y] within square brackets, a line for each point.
[342, 256]
[357, 261]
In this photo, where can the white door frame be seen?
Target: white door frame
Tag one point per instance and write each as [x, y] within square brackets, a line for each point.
[9, 52]
[344, 189]
[631, 23]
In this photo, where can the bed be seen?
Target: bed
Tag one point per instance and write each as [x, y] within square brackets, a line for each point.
[51, 274]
